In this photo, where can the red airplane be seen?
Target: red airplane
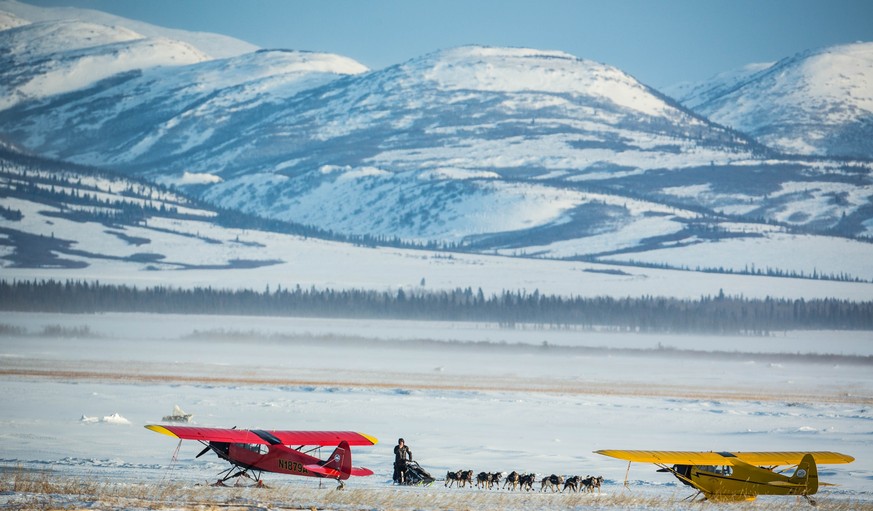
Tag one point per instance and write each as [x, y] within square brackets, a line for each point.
[259, 451]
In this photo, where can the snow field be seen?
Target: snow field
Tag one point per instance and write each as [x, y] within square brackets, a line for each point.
[324, 264]
[505, 403]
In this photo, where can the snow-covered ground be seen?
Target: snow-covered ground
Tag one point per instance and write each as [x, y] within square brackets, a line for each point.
[200, 247]
[464, 395]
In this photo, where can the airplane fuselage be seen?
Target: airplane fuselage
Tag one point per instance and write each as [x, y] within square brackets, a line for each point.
[741, 481]
[270, 458]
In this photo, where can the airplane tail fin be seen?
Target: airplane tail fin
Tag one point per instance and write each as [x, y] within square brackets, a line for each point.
[806, 475]
[341, 460]
[338, 465]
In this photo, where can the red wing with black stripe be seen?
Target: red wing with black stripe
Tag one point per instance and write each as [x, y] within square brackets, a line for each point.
[260, 436]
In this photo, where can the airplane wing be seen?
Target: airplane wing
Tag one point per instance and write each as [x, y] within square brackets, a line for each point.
[260, 436]
[792, 458]
[667, 457]
[725, 458]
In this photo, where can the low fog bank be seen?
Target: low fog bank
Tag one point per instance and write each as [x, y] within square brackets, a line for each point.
[481, 357]
[848, 344]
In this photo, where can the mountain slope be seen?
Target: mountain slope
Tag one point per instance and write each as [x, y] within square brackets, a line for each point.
[693, 94]
[458, 143]
[451, 145]
[213, 45]
[63, 222]
[818, 102]
[40, 60]
[513, 150]
[9, 20]
[175, 108]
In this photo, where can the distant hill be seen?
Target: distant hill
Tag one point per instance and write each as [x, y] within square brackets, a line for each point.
[818, 102]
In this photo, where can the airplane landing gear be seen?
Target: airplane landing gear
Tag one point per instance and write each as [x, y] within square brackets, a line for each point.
[237, 476]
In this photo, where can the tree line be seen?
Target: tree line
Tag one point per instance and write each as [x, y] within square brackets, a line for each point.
[718, 314]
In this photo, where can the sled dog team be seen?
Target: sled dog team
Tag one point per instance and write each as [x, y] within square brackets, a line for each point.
[515, 480]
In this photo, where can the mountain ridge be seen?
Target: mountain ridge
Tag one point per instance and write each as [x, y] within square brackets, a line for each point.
[815, 97]
[508, 150]
[214, 45]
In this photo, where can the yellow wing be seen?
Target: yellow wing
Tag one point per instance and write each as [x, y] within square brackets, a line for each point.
[667, 457]
[792, 458]
[725, 458]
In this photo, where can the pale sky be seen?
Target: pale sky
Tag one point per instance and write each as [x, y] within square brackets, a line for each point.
[658, 42]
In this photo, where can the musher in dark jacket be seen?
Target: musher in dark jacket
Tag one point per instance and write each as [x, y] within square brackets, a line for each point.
[402, 454]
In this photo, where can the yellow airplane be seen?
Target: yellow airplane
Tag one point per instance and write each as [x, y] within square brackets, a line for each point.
[734, 476]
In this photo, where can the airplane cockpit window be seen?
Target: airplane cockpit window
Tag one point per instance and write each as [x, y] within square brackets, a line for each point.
[255, 448]
[722, 470]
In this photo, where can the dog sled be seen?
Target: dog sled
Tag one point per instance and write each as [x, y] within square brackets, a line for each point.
[415, 475]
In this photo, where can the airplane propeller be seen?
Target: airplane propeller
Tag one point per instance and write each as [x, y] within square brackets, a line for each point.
[204, 451]
[207, 448]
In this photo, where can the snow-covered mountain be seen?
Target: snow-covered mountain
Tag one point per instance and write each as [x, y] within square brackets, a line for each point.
[148, 116]
[33, 66]
[818, 102]
[213, 45]
[513, 150]
[459, 143]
